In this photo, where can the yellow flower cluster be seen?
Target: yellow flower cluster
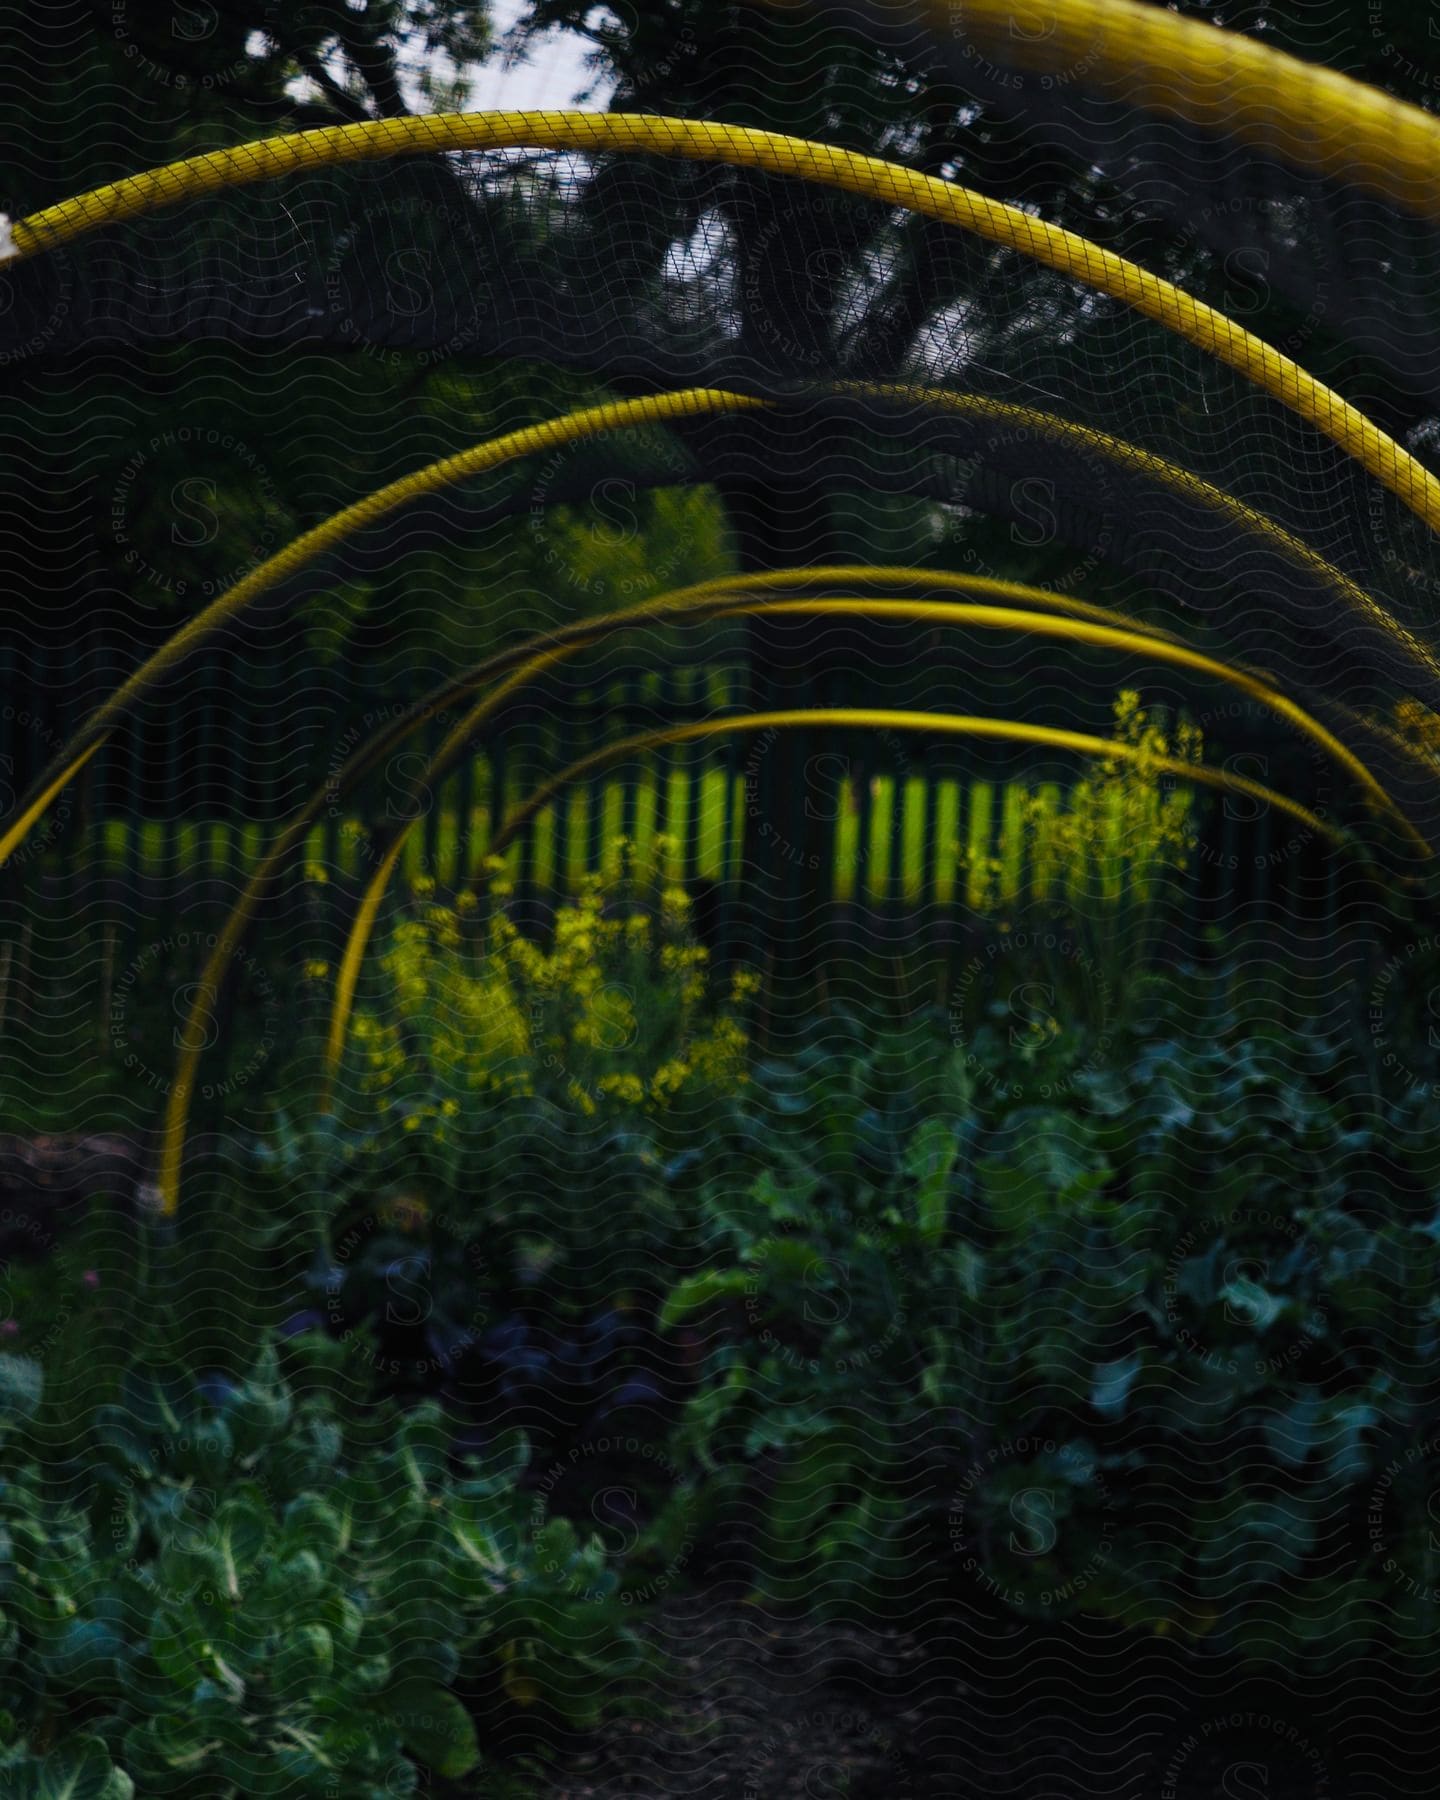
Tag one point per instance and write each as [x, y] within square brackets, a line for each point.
[615, 1013]
[1120, 827]
[382, 1054]
[431, 1117]
[689, 962]
[628, 1089]
[718, 1058]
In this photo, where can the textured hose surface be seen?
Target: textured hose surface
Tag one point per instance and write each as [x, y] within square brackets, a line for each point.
[746, 147]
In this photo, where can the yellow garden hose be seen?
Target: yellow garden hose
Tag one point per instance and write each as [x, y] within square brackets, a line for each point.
[920, 612]
[742, 146]
[1186, 68]
[651, 409]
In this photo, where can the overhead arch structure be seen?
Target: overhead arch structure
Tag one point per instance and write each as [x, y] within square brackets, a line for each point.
[1354, 124]
[1085, 630]
[1221, 134]
[1054, 247]
[881, 719]
[523, 657]
[853, 718]
[1052, 615]
[688, 403]
[1214, 123]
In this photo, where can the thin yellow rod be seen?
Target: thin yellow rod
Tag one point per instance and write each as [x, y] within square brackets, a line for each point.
[395, 731]
[921, 612]
[232, 933]
[852, 576]
[1178, 480]
[875, 719]
[690, 402]
[33, 811]
[861, 718]
[480, 458]
[709, 599]
[1052, 246]
[1162, 651]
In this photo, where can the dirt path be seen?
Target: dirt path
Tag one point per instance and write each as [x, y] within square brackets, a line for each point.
[760, 1708]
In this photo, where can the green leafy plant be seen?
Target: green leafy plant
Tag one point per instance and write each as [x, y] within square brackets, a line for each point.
[1130, 1353]
[266, 1591]
[546, 1098]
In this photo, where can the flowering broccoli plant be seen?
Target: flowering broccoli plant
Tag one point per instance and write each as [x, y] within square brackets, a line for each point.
[1103, 860]
[544, 1099]
[616, 1018]
[1122, 829]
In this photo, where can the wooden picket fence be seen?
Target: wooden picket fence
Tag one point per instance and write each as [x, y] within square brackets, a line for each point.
[881, 834]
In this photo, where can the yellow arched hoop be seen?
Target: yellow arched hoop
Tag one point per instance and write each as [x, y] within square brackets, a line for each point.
[659, 409]
[876, 719]
[394, 732]
[1185, 68]
[177, 1110]
[922, 612]
[746, 147]
[550, 435]
[710, 600]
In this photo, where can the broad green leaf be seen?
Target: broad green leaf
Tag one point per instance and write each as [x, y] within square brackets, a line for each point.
[312, 1522]
[785, 1258]
[435, 1726]
[174, 1740]
[930, 1158]
[1250, 1304]
[241, 1529]
[80, 1769]
[305, 1657]
[786, 1194]
[699, 1291]
[158, 1402]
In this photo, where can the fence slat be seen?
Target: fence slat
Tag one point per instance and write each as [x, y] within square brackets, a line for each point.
[196, 780]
